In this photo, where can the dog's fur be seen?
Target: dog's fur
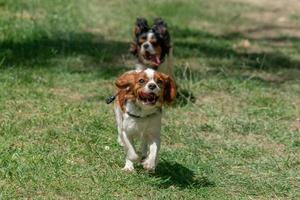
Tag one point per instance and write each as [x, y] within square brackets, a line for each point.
[152, 46]
[138, 107]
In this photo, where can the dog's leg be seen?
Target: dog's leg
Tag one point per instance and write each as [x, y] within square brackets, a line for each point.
[119, 121]
[144, 149]
[151, 161]
[128, 166]
[131, 155]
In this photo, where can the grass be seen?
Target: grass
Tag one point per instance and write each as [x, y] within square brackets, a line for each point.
[59, 59]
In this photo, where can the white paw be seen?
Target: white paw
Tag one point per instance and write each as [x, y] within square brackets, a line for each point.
[149, 165]
[128, 168]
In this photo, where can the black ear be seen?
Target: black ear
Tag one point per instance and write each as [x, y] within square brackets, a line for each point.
[141, 26]
[160, 26]
[161, 29]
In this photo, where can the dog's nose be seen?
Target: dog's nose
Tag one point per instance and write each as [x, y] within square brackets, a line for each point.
[151, 86]
[146, 46]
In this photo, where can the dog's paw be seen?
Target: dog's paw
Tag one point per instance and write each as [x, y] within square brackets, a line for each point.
[149, 165]
[128, 168]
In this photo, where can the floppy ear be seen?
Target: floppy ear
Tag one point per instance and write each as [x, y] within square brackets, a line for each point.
[126, 80]
[133, 48]
[160, 27]
[169, 90]
[141, 26]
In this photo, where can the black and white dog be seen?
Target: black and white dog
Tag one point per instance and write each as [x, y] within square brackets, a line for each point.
[152, 46]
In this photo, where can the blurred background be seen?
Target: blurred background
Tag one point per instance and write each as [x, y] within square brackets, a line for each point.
[236, 34]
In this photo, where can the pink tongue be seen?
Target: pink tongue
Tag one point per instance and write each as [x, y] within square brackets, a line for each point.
[146, 95]
[157, 60]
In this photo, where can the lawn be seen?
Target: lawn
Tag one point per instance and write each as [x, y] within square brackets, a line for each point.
[239, 139]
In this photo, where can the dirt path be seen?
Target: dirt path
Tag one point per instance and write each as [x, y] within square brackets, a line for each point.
[272, 18]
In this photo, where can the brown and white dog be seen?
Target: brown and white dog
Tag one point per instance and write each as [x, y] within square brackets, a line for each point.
[152, 46]
[138, 109]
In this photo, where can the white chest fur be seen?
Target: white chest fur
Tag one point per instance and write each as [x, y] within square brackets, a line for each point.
[144, 125]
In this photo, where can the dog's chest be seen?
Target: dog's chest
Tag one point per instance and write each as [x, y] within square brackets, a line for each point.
[142, 126]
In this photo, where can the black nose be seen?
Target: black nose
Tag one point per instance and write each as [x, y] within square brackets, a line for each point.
[151, 86]
[146, 46]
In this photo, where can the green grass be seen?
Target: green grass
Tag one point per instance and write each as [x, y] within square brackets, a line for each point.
[58, 61]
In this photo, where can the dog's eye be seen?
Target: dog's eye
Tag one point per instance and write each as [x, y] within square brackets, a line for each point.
[141, 41]
[160, 82]
[141, 81]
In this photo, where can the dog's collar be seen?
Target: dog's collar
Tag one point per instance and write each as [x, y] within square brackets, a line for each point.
[144, 116]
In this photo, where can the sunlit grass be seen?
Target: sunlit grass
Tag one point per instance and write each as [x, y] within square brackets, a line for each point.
[59, 59]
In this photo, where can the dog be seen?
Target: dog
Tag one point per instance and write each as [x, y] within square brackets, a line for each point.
[151, 46]
[138, 108]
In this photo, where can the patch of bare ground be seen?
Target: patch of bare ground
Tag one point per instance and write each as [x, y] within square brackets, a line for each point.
[253, 140]
[213, 97]
[25, 15]
[188, 118]
[219, 100]
[261, 142]
[271, 20]
[175, 146]
[67, 94]
[268, 77]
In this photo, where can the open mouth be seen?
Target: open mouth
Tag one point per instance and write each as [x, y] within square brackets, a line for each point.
[148, 98]
[154, 59]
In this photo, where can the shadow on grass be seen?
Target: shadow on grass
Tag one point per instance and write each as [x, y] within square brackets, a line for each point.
[96, 52]
[207, 45]
[175, 174]
[93, 52]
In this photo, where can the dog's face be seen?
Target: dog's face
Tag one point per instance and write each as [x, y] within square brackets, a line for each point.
[148, 88]
[150, 45]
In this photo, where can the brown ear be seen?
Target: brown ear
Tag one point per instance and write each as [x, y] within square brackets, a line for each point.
[133, 48]
[170, 90]
[126, 80]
